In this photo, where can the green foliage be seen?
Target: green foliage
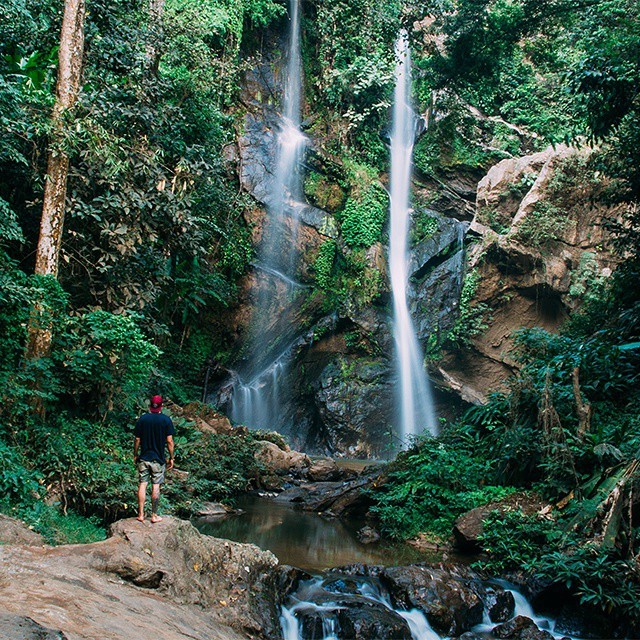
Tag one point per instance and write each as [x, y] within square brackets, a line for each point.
[544, 224]
[472, 318]
[323, 264]
[105, 358]
[220, 467]
[423, 227]
[430, 485]
[599, 577]
[512, 540]
[325, 194]
[19, 486]
[364, 216]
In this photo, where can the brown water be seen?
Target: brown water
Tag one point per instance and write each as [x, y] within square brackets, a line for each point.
[306, 540]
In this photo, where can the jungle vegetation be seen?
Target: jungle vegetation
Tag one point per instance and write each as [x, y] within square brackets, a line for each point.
[155, 238]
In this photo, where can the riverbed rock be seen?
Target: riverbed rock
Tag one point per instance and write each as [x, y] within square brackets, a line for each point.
[521, 628]
[214, 510]
[500, 605]
[368, 535]
[365, 622]
[451, 605]
[334, 498]
[162, 581]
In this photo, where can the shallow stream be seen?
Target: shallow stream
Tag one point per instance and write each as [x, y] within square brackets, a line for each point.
[315, 543]
[306, 540]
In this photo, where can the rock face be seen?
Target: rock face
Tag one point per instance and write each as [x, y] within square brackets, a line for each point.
[539, 248]
[161, 581]
[339, 388]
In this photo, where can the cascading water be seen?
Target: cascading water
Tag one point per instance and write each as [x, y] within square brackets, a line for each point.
[415, 400]
[257, 389]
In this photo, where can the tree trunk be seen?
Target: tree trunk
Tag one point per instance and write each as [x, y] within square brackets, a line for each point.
[55, 191]
[583, 409]
[156, 9]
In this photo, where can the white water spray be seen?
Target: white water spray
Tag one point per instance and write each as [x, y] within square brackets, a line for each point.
[415, 401]
[257, 403]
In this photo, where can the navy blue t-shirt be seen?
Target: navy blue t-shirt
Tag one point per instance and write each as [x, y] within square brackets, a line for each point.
[153, 429]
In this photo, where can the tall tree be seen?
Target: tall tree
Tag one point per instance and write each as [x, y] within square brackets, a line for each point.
[70, 56]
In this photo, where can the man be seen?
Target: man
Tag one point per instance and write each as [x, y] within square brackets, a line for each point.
[153, 431]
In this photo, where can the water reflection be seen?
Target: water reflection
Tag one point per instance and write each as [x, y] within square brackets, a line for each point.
[305, 540]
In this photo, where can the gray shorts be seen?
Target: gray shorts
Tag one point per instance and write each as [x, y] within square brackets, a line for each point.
[153, 471]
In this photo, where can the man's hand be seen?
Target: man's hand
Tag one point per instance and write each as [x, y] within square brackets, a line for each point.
[169, 464]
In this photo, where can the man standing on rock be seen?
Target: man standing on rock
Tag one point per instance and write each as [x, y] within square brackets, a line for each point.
[153, 431]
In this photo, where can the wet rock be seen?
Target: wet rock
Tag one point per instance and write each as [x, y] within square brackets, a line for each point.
[13, 627]
[354, 400]
[470, 635]
[335, 498]
[500, 604]
[450, 604]
[366, 622]
[521, 628]
[14, 531]
[287, 580]
[367, 535]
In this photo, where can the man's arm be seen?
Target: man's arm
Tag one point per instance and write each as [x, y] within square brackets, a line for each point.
[170, 447]
[136, 446]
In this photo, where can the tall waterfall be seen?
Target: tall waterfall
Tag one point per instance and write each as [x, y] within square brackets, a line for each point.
[257, 390]
[414, 394]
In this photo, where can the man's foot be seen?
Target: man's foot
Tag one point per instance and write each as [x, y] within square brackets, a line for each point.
[155, 518]
[140, 518]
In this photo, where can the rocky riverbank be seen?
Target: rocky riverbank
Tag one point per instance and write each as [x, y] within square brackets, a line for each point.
[162, 581]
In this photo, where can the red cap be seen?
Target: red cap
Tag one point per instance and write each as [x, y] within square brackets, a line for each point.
[155, 405]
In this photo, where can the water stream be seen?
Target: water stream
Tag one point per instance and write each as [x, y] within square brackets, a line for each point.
[324, 606]
[257, 391]
[414, 393]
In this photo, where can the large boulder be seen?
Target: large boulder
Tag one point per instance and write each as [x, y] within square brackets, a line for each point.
[282, 461]
[521, 628]
[162, 580]
[450, 603]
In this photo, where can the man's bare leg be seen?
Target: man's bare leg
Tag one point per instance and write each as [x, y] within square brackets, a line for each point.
[155, 498]
[142, 496]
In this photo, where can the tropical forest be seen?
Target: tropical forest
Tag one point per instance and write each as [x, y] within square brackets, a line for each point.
[378, 265]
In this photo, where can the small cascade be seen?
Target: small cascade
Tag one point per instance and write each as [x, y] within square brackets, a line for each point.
[417, 412]
[321, 603]
[256, 402]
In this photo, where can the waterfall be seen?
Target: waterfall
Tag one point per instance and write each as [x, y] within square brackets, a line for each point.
[415, 401]
[257, 393]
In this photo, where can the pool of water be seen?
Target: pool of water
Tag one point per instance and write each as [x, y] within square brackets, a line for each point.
[306, 540]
